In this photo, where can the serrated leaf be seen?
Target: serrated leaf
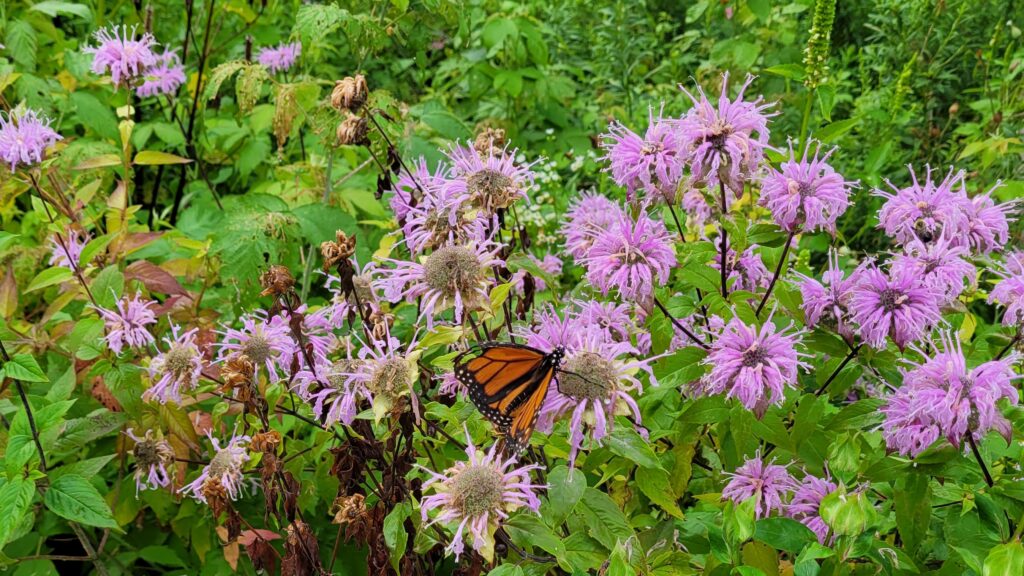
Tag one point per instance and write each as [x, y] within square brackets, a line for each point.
[625, 442]
[25, 368]
[783, 534]
[655, 484]
[15, 499]
[395, 536]
[57, 7]
[49, 277]
[219, 75]
[607, 522]
[73, 498]
[21, 44]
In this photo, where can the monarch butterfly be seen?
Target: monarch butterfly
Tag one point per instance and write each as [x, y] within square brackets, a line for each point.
[508, 383]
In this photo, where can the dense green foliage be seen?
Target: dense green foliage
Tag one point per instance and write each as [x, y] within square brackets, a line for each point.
[188, 198]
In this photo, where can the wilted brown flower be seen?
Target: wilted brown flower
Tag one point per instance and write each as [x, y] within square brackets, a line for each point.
[216, 495]
[277, 281]
[350, 93]
[335, 252]
[490, 140]
[381, 324]
[353, 131]
[238, 372]
[301, 551]
[265, 441]
[348, 508]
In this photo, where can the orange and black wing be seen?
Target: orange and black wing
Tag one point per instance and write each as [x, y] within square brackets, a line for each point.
[508, 384]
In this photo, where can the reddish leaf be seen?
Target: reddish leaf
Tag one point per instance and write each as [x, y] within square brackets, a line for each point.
[249, 536]
[155, 278]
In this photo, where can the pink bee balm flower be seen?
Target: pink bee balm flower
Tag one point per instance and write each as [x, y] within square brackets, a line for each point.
[330, 392]
[901, 305]
[405, 192]
[631, 257]
[281, 57]
[942, 397]
[454, 276]
[589, 215]
[943, 266]
[126, 326]
[922, 210]
[768, 484]
[66, 249]
[653, 163]
[746, 272]
[175, 370]
[478, 496]
[24, 138]
[124, 55]
[385, 374]
[265, 342]
[806, 194]
[725, 143]
[806, 501]
[753, 365]
[828, 302]
[490, 182]
[225, 469]
[594, 385]
[154, 461]
[1009, 291]
[164, 77]
[439, 218]
[986, 225]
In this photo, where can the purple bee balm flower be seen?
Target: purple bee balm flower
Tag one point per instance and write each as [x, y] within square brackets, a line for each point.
[124, 55]
[478, 496]
[768, 484]
[405, 193]
[631, 256]
[922, 210]
[653, 163]
[725, 143]
[66, 249]
[330, 392]
[900, 305]
[611, 318]
[385, 375]
[175, 370]
[342, 306]
[588, 216]
[943, 266]
[753, 365]
[454, 276]
[24, 138]
[806, 194]
[806, 501]
[828, 302]
[986, 225]
[941, 396]
[163, 77]
[225, 469]
[552, 329]
[747, 272]
[126, 326]
[316, 332]
[490, 182]
[697, 209]
[154, 461]
[594, 385]
[265, 342]
[281, 57]
[439, 218]
[1009, 291]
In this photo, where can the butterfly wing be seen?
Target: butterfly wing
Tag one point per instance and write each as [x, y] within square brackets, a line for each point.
[508, 384]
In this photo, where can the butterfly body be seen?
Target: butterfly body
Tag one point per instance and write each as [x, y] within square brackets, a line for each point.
[508, 383]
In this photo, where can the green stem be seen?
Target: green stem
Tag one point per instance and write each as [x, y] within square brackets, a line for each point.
[808, 108]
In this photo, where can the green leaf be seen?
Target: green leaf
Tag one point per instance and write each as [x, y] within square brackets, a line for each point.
[1005, 559]
[219, 75]
[15, 498]
[783, 534]
[25, 368]
[565, 490]
[108, 286]
[95, 115]
[95, 247]
[21, 43]
[790, 71]
[836, 129]
[99, 161]
[156, 158]
[655, 484]
[55, 7]
[607, 523]
[161, 555]
[73, 498]
[625, 442]
[49, 277]
[84, 468]
[499, 294]
[497, 30]
[530, 530]
[6, 239]
[913, 507]
[762, 9]
[847, 513]
[395, 536]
